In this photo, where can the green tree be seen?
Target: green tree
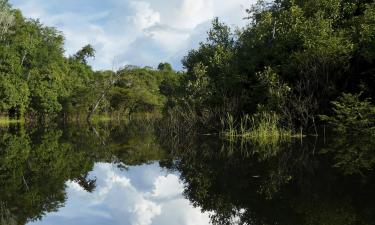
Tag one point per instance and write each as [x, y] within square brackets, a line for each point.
[351, 114]
[165, 67]
[86, 52]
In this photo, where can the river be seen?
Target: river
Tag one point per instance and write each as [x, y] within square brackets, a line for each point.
[129, 174]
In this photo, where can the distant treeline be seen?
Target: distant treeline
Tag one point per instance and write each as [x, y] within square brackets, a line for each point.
[38, 82]
[294, 61]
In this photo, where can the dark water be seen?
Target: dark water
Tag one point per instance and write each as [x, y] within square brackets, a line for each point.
[129, 174]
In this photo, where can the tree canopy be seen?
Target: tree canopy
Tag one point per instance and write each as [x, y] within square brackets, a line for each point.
[293, 58]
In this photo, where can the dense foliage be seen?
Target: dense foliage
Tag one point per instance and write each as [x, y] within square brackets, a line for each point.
[352, 115]
[36, 78]
[39, 81]
[296, 63]
[293, 58]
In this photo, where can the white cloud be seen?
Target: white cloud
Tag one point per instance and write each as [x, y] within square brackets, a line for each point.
[167, 187]
[142, 195]
[144, 16]
[141, 32]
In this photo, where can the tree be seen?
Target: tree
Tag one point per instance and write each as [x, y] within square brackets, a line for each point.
[165, 67]
[86, 52]
[317, 49]
[351, 114]
[14, 95]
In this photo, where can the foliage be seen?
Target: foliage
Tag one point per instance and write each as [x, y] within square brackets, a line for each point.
[86, 52]
[138, 89]
[39, 82]
[293, 58]
[262, 128]
[351, 114]
[353, 153]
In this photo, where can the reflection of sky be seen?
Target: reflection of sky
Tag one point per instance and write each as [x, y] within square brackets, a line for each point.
[142, 195]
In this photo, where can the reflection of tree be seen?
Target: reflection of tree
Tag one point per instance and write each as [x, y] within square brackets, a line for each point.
[6, 215]
[239, 182]
[86, 183]
[257, 185]
[35, 164]
[353, 154]
[34, 169]
[135, 143]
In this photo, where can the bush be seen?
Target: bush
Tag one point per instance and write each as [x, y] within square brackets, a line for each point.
[350, 114]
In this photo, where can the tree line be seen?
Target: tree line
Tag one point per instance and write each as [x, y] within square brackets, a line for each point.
[294, 61]
[38, 81]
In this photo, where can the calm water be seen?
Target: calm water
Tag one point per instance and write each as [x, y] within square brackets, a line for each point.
[130, 175]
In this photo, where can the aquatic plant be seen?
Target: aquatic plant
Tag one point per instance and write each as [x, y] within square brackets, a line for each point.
[263, 128]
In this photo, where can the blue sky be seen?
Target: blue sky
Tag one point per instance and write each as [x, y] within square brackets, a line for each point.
[136, 32]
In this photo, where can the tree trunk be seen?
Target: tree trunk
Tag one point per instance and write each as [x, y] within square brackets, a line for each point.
[91, 113]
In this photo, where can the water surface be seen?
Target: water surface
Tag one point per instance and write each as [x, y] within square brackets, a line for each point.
[130, 174]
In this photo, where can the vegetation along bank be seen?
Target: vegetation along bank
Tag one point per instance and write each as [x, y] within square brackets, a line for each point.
[297, 64]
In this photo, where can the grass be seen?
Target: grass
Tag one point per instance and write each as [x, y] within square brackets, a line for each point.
[7, 121]
[146, 117]
[263, 128]
[102, 118]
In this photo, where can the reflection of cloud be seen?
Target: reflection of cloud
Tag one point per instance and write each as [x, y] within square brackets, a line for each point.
[133, 31]
[167, 187]
[188, 216]
[133, 197]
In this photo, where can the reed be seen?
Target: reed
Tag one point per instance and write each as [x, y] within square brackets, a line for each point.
[263, 128]
[7, 121]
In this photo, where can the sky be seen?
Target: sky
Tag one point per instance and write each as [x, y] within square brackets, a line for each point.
[134, 32]
[141, 195]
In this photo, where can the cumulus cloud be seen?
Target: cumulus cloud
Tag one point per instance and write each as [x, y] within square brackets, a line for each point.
[167, 187]
[138, 32]
[132, 197]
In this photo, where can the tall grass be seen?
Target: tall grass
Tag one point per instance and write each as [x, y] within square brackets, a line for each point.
[263, 128]
[6, 121]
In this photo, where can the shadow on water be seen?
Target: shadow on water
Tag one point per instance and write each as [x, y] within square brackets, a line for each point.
[315, 181]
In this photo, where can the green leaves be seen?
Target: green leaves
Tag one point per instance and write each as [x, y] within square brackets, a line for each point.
[35, 75]
[273, 91]
[367, 33]
[138, 89]
[14, 94]
[86, 52]
[316, 49]
[351, 114]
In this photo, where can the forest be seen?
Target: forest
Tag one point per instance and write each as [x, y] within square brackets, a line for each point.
[296, 65]
[269, 123]
[39, 83]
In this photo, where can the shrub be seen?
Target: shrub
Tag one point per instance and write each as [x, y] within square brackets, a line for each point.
[350, 114]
